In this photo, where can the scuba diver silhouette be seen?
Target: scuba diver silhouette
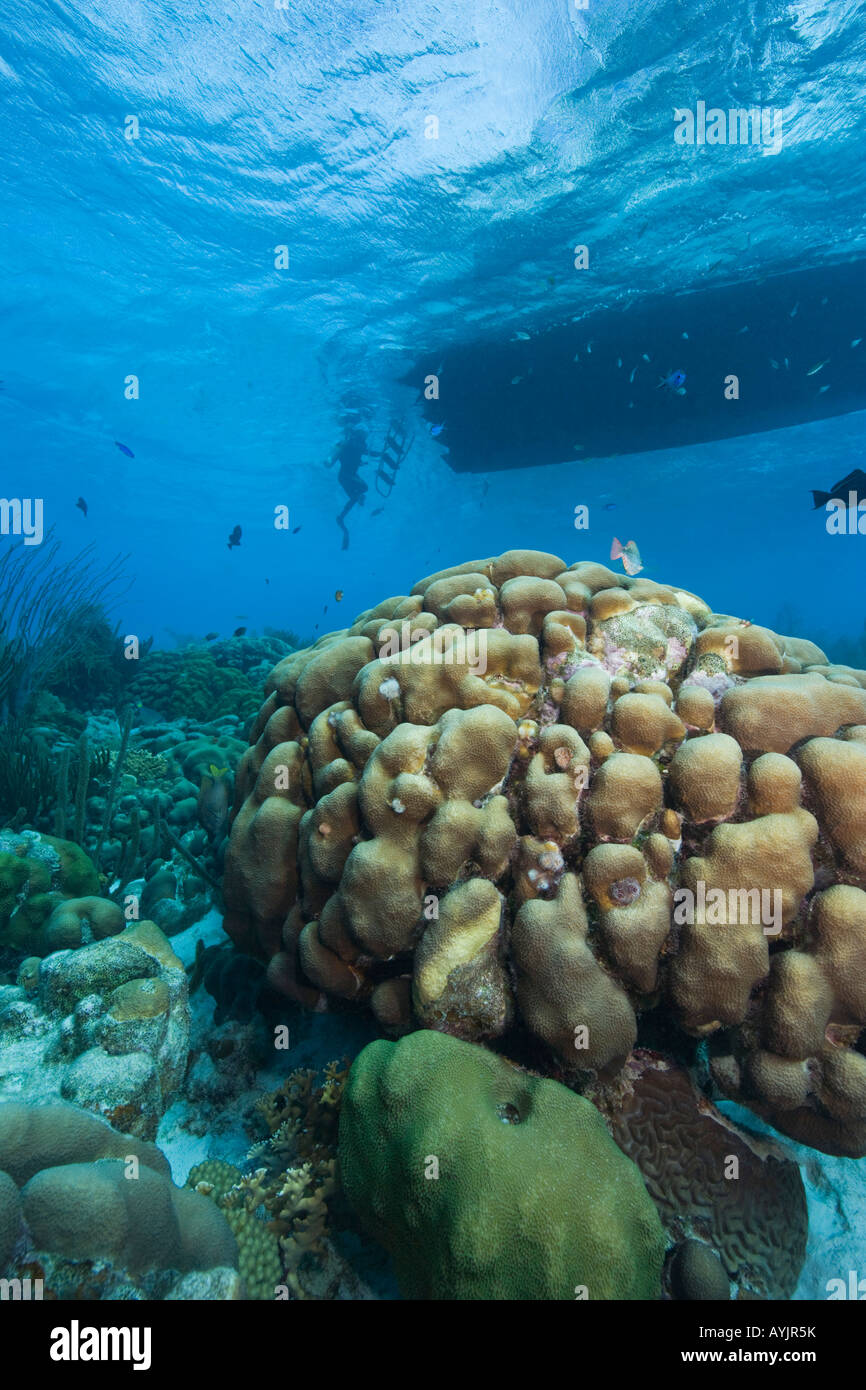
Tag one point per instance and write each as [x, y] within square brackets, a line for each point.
[351, 453]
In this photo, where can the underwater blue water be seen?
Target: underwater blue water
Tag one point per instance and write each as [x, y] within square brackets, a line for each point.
[261, 127]
[231, 233]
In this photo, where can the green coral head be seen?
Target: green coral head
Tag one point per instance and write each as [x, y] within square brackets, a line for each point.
[485, 1182]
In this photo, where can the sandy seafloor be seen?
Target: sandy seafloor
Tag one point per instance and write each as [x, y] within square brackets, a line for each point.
[835, 1187]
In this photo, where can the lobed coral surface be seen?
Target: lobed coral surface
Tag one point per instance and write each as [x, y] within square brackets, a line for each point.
[559, 804]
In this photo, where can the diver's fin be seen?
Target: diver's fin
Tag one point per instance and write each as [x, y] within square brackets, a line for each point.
[820, 499]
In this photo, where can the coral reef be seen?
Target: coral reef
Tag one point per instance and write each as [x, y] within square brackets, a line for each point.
[38, 876]
[94, 1212]
[485, 1182]
[279, 1212]
[198, 682]
[559, 805]
[51, 618]
[105, 1026]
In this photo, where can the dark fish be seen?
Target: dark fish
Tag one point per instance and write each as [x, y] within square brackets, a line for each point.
[239, 632]
[436, 430]
[377, 511]
[214, 799]
[235, 537]
[609, 506]
[267, 581]
[855, 482]
[338, 594]
[325, 609]
[211, 636]
[296, 530]
[81, 505]
[674, 381]
[124, 450]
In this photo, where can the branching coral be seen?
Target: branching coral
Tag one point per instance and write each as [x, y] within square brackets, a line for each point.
[279, 1211]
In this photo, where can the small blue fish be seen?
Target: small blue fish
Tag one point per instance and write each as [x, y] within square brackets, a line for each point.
[674, 381]
[436, 430]
[124, 450]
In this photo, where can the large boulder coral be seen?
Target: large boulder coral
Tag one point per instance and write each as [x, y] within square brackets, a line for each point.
[75, 1194]
[484, 1182]
[559, 801]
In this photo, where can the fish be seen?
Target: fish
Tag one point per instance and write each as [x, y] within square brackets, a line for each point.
[855, 482]
[81, 505]
[629, 554]
[296, 530]
[631, 378]
[267, 581]
[377, 511]
[774, 364]
[124, 449]
[855, 342]
[235, 537]
[239, 632]
[813, 371]
[619, 362]
[520, 337]
[646, 357]
[589, 345]
[793, 313]
[822, 389]
[576, 357]
[515, 380]
[211, 636]
[686, 336]
[338, 594]
[674, 381]
[744, 329]
[214, 801]
[436, 430]
[609, 506]
[325, 609]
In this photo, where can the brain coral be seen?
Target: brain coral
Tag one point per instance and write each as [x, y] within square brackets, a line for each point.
[485, 1182]
[548, 800]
